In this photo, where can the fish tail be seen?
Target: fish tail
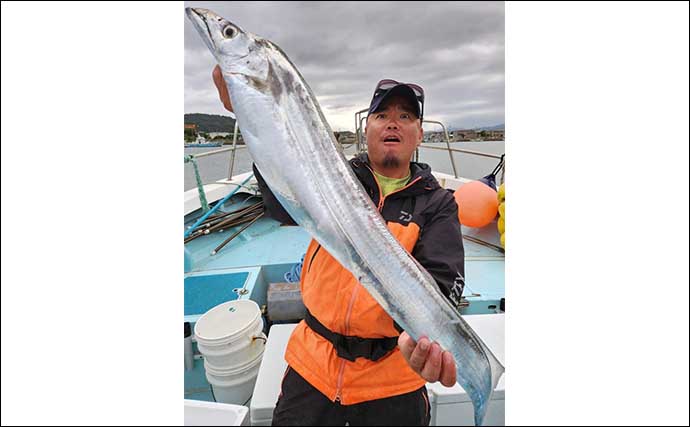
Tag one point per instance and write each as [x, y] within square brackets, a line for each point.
[497, 370]
[482, 393]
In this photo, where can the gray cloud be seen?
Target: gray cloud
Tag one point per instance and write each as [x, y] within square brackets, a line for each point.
[454, 50]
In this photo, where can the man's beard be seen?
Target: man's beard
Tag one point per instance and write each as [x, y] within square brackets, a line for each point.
[390, 161]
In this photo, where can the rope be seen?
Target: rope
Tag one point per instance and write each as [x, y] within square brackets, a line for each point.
[293, 275]
[215, 208]
[199, 184]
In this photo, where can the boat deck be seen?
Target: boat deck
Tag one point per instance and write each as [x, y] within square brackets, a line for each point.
[265, 251]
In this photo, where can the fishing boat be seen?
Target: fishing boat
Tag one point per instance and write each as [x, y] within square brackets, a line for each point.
[201, 142]
[234, 253]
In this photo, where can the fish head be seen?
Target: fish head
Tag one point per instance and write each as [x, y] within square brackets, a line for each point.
[235, 50]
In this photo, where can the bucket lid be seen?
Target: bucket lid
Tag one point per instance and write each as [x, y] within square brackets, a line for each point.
[227, 320]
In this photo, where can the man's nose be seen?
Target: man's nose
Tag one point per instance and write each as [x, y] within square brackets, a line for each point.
[392, 125]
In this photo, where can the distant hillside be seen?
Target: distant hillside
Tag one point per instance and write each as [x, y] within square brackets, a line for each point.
[210, 122]
[502, 126]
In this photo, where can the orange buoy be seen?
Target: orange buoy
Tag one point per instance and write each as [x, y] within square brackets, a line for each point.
[477, 204]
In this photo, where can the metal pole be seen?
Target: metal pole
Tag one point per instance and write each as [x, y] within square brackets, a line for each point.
[232, 155]
[210, 153]
[237, 233]
[234, 220]
[357, 129]
[230, 216]
[452, 160]
[483, 243]
[461, 150]
[360, 128]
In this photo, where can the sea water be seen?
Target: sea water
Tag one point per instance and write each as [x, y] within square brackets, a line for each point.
[215, 167]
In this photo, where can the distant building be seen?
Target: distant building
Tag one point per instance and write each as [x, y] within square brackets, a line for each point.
[465, 135]
[495, 135]
[190, 132]
[220, 134]
[435, 137]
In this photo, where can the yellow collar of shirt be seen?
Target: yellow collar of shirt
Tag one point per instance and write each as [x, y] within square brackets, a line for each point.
[389, 185]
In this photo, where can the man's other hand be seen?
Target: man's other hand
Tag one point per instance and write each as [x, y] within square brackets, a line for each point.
[427, 359]
[219, 81]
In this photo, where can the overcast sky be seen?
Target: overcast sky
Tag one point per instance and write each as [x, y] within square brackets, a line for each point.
[454, 50]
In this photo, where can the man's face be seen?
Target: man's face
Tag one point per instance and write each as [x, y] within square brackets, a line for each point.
[393, 134]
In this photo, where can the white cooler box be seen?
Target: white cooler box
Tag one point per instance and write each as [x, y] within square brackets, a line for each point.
[198, 413]
[271, 372]
[449, 406]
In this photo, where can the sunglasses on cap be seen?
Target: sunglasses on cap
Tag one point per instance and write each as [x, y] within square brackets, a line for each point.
[387, 84]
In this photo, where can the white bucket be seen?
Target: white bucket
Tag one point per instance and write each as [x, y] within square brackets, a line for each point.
[229, 335]
[233, 354]
[227, 323]
[234, 385]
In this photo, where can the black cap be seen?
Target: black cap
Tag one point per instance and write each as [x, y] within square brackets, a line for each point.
[401, 89]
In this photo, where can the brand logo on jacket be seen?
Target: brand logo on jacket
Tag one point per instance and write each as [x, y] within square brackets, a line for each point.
[405, 216]
[456, 289]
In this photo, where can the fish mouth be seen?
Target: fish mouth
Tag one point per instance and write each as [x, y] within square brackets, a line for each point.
[199, 20]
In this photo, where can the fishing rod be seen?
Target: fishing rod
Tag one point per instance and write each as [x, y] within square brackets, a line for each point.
[191, 229]
[223, 226]
[218, 218]
[483, 243]
[214, 218]
[237, 233]
[250, 211]
[193, 236]
[231, 223]
[238, 222]
[241, 217]
[230, 215]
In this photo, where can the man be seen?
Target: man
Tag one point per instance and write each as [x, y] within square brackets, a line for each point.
[348, 361]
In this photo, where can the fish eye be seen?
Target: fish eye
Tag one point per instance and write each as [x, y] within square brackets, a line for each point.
[229, 32]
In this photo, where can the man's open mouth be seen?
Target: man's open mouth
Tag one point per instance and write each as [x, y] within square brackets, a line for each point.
[391, 139]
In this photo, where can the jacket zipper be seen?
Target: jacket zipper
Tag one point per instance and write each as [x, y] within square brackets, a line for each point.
[382, 198]
[341, 371]
[397, 191]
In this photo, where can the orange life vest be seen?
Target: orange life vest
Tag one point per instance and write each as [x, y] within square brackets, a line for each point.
[417, 215]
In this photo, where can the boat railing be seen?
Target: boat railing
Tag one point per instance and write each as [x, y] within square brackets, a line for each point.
[450, 154]
[361, 145]
[233, 149]
[210, 153]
